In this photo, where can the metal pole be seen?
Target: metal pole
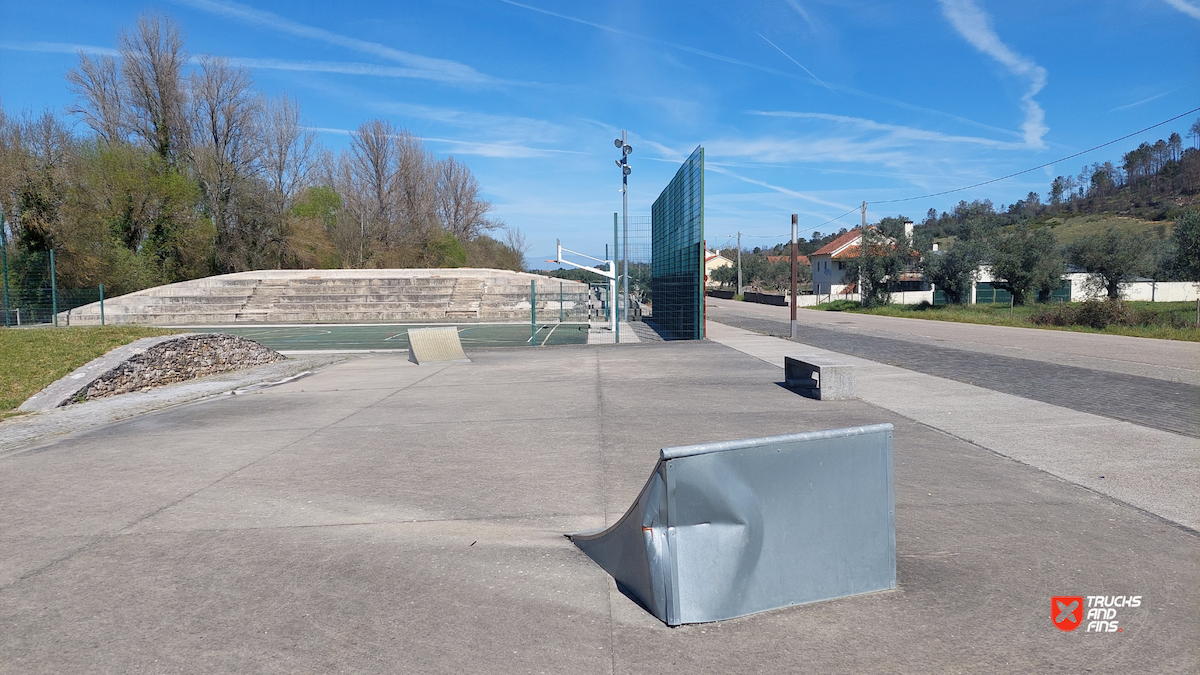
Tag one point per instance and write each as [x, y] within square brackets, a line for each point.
[862, 254]
[4, 256]
[616, 317]
[624, 252]
[795, 326]
[739, 262]
[608, 305]
[560, 302]
[533, 313]
[101, 304]
[53, 289]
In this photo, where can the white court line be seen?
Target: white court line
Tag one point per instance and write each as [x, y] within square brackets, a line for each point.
[550, 333]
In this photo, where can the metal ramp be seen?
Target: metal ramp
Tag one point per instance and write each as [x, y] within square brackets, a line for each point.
[726, 529]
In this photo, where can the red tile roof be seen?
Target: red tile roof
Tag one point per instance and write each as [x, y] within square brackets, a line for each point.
[828, 249]
[800, 260]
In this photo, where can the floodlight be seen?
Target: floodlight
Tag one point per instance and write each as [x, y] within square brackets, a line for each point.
[628, 170]
[618, 162]
[628, 150]
[618, 142]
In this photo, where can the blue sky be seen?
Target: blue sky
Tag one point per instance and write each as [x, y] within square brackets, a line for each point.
[803, 106]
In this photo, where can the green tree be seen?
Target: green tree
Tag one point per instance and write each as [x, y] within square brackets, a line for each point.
[725, 275]
[1110, 260]
[880, 261]
[1026, 260]
[1185, 240]
[953, 271]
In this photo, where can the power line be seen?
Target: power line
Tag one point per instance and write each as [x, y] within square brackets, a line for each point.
[788, 235]
[1042, 166]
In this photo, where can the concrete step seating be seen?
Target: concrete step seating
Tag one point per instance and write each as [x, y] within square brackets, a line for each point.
[343, 296]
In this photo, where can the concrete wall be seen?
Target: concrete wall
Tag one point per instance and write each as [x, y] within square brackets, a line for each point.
[1161, 291]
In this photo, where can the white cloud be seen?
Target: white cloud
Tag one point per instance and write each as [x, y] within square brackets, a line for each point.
[976, 27]
[1145, 100]
[896, 132]
[803, 14]
[442, 70]
[338, 67]
[782, 190]
[500, 150]
[455, 146]
[789, 58]
[1185, 7]
[344, 68]
[57, 48]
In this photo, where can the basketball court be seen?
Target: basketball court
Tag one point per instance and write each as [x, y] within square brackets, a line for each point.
[387, 337]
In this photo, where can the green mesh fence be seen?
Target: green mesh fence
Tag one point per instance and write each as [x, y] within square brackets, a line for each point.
[677, 274]
[30, 295]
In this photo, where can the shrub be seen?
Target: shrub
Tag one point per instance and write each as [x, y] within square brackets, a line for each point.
[1054, 315]
[1096, 314]
[840, 306]
[1100, 313]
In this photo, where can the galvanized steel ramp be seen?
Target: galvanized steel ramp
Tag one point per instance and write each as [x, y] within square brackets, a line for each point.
[435, 345]
[726, 529]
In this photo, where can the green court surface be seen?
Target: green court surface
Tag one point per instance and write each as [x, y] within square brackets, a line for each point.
[326, 337]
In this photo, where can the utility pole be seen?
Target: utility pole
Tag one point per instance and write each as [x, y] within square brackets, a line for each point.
[739, 262]
[795, 326]
[862, 254]
[623, 254]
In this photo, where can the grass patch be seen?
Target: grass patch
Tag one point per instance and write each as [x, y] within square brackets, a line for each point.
[1161, 320]
[1070, 229]
[32, 358]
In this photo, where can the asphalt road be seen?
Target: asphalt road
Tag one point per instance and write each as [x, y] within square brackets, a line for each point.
[947, 350]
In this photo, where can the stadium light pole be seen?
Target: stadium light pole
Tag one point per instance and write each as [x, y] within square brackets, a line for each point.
[623, 254]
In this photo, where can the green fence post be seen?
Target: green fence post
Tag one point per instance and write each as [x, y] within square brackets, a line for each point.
[560, 301]
[53, 290]
[4, 256]
[533, 313]
[101, 304]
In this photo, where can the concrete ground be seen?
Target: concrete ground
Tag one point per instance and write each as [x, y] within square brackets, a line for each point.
[379, 516]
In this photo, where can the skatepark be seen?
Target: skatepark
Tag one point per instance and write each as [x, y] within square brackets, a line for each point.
[379, 516]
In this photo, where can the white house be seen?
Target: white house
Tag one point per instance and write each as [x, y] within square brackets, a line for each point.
[712, 261]
[829, 264]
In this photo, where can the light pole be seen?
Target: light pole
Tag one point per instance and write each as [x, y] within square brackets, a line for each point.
[626, 149]
[739, 262]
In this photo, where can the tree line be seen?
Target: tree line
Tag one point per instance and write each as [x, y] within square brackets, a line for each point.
[1159, 181]
[185, 169]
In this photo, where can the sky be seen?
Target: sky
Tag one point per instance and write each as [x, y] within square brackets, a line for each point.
[803, 106]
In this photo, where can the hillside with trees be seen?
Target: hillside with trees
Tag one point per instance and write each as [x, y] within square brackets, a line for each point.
[179, 171]
[1116, 222]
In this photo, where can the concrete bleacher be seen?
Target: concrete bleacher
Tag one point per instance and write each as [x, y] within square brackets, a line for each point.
[340, 296]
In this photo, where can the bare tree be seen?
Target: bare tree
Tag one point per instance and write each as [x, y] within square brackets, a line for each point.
[461, 210]
[152, 59]
[100, 102]
[515, 239]
[417, 183]
[368, 179]
[289, 152]
[224, 135]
